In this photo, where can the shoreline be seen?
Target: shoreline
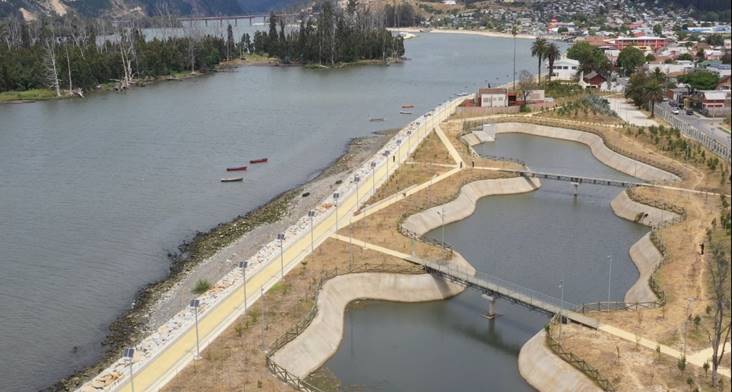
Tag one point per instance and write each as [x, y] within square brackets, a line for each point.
[156, 302]
[483, 33]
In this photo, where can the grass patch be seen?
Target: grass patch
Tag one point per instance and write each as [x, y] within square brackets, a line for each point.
[27, 95]
[281, 288]
[201, 287]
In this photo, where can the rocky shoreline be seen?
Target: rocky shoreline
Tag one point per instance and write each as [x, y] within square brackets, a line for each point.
[156, 302]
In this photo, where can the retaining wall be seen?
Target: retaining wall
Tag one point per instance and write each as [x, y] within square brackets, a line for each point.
[597, 146]
[644, 254]
[545, 371]
[320, 340]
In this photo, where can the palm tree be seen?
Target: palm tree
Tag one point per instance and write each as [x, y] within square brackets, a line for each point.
[654, 93]
[538, 49]
[514, 31]
[552, 54]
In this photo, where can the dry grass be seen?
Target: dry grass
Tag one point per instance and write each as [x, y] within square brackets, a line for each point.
[235, 361]
[639, 368]
[433, 151]
[453, 131]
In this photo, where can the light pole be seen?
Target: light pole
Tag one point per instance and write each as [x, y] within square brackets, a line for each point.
[357, 179]
[561, 308]
[195, 303]
[311, 215]
[514, 32]
[373, 178]
[350, 242]
[442, 215]
[264, 314]
[281, 238]
[336, 196]
[409, 141]
[609, 280]
[128, 356]
[243, 266]
[386, 155]
[399, 150]
[686, 321]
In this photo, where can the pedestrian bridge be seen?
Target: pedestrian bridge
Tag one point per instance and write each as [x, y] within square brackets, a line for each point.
[487, 284]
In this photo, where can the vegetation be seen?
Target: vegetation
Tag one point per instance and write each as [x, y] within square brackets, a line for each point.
[591, 58]
[61, 56]
[538, 50]
[646, 89]
[700, 80]
[629, 59]
[334, 36]
[202, 286]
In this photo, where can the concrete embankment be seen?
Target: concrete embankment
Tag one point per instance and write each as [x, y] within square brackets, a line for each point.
[644, 254]
[597, 146]
[320, 340]
[545, 371]
[464, 205]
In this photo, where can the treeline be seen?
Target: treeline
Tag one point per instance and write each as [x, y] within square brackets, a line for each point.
[333, 36]
[46, 55]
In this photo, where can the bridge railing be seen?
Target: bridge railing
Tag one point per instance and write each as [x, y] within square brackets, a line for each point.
[505, 288]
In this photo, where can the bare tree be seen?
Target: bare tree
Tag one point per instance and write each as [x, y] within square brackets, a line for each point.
[49, 44]
[719, 271]
[526, 84]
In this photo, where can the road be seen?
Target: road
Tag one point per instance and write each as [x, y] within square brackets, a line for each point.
[710, 126]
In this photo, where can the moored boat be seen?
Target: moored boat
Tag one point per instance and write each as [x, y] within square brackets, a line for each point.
[236, 168]
[261, 160]
[405, 112]
[376, 119]
[407, 106]
[232, 179]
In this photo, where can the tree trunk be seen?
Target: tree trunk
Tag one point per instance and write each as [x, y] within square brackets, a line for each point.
[653, 108]
[539, 74]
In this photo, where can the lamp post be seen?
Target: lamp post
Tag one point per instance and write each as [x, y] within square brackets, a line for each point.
[243, 266]
[609, 280]
[128, 356]
[409, 140]
[311, 215]
[373, 178]
[356, 179]
[442, 215]
[264, 314]
[281, 238]
[561, 308]
[399, 150]
[336, 196]
[386, 155]
[195, 303]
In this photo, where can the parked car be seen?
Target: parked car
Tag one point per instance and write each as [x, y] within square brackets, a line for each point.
[689, 112]
[675, 110]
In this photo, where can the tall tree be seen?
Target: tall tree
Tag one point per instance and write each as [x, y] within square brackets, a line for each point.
[629, 59]
[552, 54]
[719, 271]
[538, 49]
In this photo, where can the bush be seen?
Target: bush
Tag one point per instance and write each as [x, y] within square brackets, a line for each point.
[201, 287]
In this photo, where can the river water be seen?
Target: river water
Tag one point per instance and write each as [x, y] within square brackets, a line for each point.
[95, 192]
[536, 240]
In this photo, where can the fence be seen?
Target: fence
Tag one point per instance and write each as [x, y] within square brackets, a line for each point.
[577, 362]
[693, 133]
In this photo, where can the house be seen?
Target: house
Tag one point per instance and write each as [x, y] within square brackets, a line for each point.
[492, 97]
[678, 68]
[653, 43]
[720, 69]
[594, 80]
[715, 101]
[565, 69]
[677, 95]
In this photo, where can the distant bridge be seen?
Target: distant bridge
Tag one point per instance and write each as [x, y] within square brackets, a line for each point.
[236, 18]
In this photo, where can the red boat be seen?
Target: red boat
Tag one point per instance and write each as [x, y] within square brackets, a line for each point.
[262, 160]
[236, 168]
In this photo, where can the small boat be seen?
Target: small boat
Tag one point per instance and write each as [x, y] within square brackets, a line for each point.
[232, 179]
[261, 160]
[408, 106]
[376, 119]
[405, 112]
[236, 168]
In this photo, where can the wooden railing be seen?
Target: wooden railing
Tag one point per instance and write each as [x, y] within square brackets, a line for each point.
[577, 362]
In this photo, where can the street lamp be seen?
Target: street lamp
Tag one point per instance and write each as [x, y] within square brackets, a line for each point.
[311, 215]
[373, 178]
[356, 179]
[128, 356]
[386, 155]
[195, 303]
[336, 196]
[243, 266]
[281, 238]
[442, 215]
[409, 140]
[399, 149]
[609, 280]
[561, 308]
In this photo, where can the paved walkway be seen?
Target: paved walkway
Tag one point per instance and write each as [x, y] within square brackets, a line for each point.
[629, 113]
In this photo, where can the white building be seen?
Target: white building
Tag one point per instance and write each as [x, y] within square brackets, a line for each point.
[565, 69]
[677, 68]
[493, 97]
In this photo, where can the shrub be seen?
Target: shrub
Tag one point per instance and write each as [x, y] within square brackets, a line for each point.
[201, 287]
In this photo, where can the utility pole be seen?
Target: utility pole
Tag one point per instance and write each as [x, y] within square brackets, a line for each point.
[514, 31]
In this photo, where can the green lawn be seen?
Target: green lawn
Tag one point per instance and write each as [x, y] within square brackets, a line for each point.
[27, 95]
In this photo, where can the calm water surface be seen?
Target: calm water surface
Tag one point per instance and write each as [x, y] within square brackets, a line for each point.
[536, 240]
[95, 192]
